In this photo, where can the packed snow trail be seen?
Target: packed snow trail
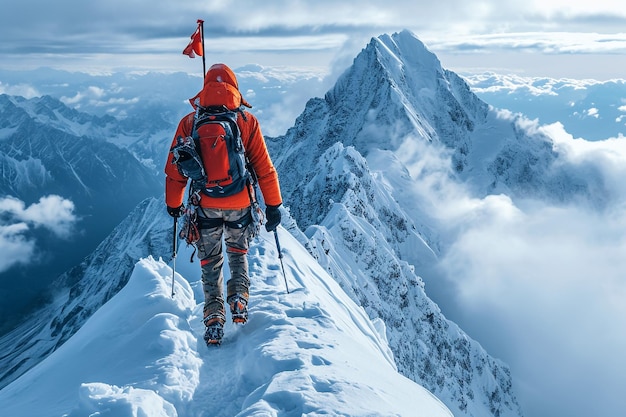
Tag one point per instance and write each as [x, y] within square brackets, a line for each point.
[309, 352]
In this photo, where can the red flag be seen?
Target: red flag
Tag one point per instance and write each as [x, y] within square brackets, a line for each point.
[195, 45]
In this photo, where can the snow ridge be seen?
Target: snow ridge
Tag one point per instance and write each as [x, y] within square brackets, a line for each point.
[312, 351]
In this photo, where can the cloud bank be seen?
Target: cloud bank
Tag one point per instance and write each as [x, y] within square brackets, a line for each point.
[541, 285]
[17, 221]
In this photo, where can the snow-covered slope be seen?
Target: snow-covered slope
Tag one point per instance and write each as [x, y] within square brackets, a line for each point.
[355, 158]
[79, 292]
[310, 352]
[47, 145]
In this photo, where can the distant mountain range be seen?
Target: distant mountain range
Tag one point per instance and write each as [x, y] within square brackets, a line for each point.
[46, 148]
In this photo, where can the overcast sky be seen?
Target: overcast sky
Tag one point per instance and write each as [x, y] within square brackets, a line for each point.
[556, 38]
[553, 38]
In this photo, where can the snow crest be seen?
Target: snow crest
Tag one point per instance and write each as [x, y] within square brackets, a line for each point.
[310, 352]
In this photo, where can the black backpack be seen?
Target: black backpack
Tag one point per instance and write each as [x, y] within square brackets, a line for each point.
[213, 157]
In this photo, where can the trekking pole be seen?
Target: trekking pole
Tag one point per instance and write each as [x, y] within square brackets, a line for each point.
[174, 247]
[280, 256]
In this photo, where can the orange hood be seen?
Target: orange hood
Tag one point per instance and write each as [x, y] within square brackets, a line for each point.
[220, 88]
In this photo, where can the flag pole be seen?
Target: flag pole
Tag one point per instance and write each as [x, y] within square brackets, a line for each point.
[201, 24]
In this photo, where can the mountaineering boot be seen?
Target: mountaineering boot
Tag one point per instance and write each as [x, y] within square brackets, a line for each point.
[238, 308]
[214, 330]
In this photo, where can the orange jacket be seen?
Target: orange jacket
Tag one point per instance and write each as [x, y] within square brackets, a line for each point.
[220, 87]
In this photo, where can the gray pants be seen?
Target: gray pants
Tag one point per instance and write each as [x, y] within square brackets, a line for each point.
[233, 226]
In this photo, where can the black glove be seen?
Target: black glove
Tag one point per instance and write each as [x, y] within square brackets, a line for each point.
[272, 214]
[175, 212]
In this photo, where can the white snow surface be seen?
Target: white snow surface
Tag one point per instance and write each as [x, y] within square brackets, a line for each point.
[308, 352]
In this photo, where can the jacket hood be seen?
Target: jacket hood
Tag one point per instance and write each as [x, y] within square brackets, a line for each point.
[218, 73]
[221, 73]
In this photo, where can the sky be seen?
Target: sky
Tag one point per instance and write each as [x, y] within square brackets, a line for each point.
[556, 38]
[310, 352]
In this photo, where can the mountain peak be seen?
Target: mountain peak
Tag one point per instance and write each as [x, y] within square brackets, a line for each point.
[406, 48]
[363, 217]
[397, 84]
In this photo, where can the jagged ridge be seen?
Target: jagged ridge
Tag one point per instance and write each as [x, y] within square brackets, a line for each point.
[394, 95]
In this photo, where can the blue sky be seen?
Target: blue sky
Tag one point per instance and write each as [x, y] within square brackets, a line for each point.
[534, 37]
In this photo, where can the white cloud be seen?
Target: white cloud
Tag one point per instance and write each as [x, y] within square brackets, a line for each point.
[24, 90]
[549, 283]
[607, 157]
[16, 221]
[593, 112]
[542, 285]
[14, 246]
[549, 42]
[98, 97]
[52, 212]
